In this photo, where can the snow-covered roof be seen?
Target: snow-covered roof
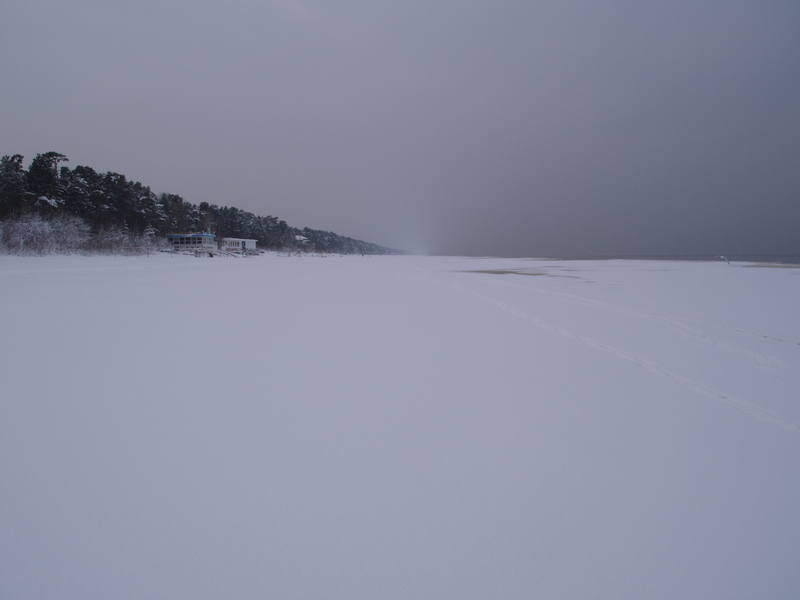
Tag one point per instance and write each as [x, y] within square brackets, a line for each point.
[190, 235]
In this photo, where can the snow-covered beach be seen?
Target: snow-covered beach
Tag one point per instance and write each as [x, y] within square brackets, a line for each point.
[398, 427]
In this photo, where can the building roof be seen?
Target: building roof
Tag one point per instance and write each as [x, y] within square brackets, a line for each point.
[190, 235]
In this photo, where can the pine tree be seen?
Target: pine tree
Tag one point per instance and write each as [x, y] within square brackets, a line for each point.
[13, 185]
[43, 179]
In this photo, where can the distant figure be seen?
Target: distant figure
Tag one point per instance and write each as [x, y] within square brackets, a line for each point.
[725, 258]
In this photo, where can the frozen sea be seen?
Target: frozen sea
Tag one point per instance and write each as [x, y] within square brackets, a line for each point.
[398, 427]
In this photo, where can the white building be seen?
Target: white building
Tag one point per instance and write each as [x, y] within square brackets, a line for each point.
[240, 244]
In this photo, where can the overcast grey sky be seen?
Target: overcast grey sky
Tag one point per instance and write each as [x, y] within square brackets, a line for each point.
[472, 126]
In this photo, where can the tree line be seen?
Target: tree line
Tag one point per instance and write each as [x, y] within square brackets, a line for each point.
[86, 209]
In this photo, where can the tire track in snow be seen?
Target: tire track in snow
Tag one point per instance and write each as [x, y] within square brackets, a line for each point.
[761, 360]
[752, 409]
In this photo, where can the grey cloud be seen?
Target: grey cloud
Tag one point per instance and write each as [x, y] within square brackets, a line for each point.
[460, 127]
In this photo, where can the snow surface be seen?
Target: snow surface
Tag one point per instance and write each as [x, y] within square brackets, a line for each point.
[398, 427]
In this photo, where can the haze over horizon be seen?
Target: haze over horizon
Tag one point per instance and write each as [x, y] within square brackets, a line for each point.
[473, 127]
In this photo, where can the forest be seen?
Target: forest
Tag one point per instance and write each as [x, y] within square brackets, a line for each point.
[49, 207]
